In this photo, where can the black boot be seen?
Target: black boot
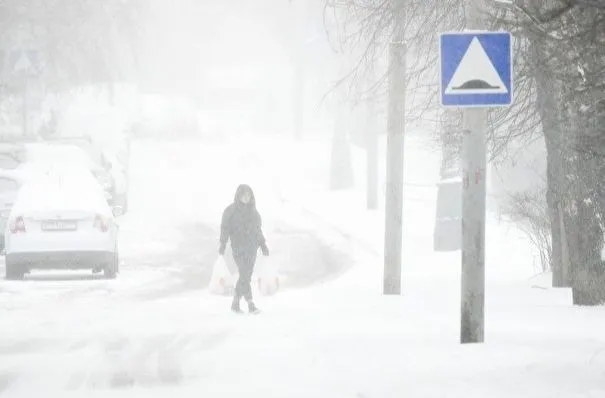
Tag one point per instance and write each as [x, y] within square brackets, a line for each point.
[252, 308]
[235, 305]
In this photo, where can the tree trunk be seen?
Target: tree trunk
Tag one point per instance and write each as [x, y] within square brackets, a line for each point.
[341, 163]
[372, 157]
[547, 95]
[299, 93]
[555, 182]
[564, 245]
[573, 172]
[587, 272]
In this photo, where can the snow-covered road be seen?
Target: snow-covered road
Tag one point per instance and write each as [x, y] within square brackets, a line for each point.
[70, 329]
[156, 331]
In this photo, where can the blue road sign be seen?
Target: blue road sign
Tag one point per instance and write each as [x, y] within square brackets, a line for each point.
[476, 69]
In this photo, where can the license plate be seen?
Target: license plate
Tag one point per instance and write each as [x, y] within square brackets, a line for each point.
[59, 226]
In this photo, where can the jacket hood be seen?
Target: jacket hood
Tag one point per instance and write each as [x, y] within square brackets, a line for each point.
[240, 191]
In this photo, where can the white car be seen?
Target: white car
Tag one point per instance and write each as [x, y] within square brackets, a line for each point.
[66, 154]
[112, 155]
[61, 220]
[10, 155]
[11, 182]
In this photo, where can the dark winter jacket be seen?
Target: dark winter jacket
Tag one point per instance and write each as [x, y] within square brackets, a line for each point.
[242, 224]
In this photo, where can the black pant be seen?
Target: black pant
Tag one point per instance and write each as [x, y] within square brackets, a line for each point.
[245, 266]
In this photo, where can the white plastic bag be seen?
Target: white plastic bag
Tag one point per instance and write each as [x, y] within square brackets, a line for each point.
[266, 278]
[222, 281]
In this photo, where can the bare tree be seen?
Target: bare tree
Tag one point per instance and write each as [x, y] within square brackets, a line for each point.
[565, 40]
[529, 211]
[364, 27]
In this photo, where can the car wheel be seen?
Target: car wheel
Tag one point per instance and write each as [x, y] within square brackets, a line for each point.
[112, 269]
[13, 271]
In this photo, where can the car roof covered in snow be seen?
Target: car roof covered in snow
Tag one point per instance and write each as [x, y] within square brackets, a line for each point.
[44, 167]
[62, 189]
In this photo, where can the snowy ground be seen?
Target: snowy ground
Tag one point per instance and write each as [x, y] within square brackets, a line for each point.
[157, 331]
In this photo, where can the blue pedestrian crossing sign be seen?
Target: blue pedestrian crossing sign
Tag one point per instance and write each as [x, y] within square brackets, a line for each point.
[476, 69]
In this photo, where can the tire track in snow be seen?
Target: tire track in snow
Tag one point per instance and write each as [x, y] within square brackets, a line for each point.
[188, 267]
[123, 363]
[6, 380]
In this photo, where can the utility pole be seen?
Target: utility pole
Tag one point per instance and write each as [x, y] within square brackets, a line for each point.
[393, 238]
[473, 226]
[25, 108]
[473, 210]
[298, 96]
[371, 137]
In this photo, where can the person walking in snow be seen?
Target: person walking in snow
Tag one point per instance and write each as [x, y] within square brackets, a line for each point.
[241, 223]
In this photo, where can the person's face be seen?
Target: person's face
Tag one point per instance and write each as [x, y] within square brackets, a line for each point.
[245, 197]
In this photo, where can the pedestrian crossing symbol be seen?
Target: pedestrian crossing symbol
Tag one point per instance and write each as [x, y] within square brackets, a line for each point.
[476, 69]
